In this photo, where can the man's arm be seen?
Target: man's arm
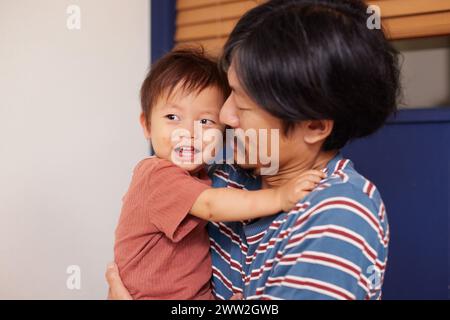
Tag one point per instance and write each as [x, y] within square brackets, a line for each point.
[118, 291]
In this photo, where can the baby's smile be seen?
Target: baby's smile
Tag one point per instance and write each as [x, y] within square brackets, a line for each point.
[186, 153]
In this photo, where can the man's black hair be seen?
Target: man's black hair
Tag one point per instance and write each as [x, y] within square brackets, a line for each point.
[316, 59]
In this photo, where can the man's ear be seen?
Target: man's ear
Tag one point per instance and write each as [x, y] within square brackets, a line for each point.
[145, 126]
[317, 130]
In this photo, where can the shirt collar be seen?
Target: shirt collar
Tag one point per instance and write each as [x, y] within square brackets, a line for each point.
[337, 163]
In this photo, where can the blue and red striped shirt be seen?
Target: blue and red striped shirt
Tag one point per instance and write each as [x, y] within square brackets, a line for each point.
[333, 245]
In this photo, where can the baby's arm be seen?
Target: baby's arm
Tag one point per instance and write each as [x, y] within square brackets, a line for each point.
[225, 204]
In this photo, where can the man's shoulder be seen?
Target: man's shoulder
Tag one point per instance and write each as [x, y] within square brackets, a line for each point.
[227, 175]
[345, 183]
[346, 200]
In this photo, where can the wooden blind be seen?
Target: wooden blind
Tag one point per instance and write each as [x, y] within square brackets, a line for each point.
[209, 22]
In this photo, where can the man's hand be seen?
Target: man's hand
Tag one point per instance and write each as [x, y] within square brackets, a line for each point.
[298, 188]
[117, 290]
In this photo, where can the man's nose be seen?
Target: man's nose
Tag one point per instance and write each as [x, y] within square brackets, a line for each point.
[228, 114]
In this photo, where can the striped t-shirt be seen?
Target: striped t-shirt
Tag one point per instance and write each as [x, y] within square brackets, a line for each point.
[333, 245]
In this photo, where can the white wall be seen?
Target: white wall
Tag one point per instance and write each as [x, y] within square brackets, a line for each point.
[69, 139]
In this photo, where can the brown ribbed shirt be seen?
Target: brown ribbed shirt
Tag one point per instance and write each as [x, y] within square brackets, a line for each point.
[162, 251]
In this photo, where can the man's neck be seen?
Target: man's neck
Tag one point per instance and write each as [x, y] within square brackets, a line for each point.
[296, 168]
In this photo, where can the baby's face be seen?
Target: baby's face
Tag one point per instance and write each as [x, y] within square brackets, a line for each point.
[172, 123]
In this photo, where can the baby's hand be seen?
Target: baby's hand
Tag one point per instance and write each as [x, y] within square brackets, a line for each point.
[298, 188]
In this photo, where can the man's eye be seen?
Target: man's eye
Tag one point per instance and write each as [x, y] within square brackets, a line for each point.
[242, 109]
[172, 117]
[207, 122]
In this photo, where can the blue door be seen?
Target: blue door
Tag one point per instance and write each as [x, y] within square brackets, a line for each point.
[409, 161]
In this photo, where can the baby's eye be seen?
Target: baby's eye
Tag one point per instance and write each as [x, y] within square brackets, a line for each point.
[206, 122]
[172, 117]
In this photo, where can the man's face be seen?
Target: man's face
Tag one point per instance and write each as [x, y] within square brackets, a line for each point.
[240, 112]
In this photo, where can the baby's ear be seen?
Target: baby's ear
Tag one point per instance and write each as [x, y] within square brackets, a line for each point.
[145, 125]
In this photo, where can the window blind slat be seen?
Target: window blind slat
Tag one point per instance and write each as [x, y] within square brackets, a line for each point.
[193, 4]
[205, 30]
[214, 13]
[425, 25]
[209, 22]
[397, 8]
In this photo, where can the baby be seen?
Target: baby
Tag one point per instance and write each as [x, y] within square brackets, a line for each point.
[162, 245]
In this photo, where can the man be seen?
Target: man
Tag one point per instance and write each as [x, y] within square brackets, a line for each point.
[314, 71]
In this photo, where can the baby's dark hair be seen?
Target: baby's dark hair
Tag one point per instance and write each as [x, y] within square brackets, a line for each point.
[191, 68]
